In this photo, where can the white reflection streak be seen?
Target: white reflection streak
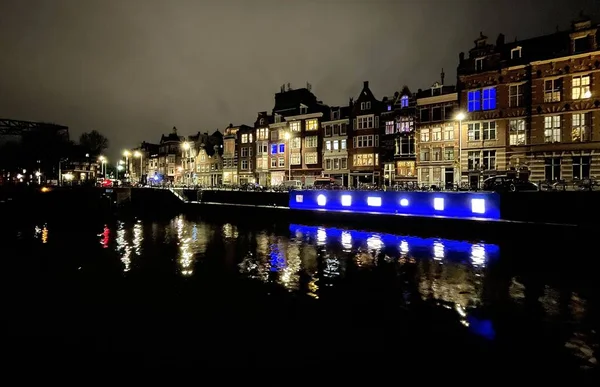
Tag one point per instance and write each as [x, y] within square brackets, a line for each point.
[438, 250]
[404, 247]
[346, 240]
[137, 238]
[478, 255]
[374, 242]
[123, 247]
[321, 236]
[185, 259]
[332, 267]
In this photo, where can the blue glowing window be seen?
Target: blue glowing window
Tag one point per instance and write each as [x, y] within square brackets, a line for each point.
[346, 200]
[438, 204]
[321, 200]
[404, 202]
[489, 98]
[273, 149]
[474, 101]
[478, 206]
[281, 148]
[373, 201]
[404, 101]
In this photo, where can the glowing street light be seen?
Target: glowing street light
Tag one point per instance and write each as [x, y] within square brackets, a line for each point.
[126, 153]
[103, 161]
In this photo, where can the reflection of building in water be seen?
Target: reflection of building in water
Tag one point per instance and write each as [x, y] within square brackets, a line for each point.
[230, 231]
[41, 233]
[105, 237]
[258, 266]
[450, 282]
[289, 272]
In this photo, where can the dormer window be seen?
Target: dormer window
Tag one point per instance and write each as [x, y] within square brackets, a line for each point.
[404, 101]
[335, 115]
[515, 53]
[581, 44]
[478, 64]
[262, 121]
[277, 117]
[365, 105]
[303, 109]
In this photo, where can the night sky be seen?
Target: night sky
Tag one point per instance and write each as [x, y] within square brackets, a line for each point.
[133, 69]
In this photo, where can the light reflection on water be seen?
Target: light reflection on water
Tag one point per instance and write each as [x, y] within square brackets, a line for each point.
[316, 261]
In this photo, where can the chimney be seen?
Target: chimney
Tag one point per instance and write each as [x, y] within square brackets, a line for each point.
[442, 76]
[500, 40]
[366, 84]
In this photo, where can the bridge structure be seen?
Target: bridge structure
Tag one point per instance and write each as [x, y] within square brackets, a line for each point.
[10, 127]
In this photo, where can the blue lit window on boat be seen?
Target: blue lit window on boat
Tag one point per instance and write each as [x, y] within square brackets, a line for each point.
[478, 206]
[374, 201]
[438, 204]
[346, 200]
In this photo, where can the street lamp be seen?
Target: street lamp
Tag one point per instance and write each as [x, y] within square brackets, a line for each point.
[103, 160]
[126, 153]
[460, 117]
[287, 138]
[119, 168]
[139, 154]
[38, 174]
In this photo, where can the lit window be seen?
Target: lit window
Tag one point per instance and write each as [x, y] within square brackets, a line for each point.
[321, 200]
[273, 149]
[438, 204]
[299, 198]
[474, 101]
[581, 87]
[373, 201]
[404, 202]
[346, 200]
[404, 101]
[489, 98]
[478, 206]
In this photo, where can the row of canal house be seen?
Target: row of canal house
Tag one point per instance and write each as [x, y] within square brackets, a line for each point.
[529, 106]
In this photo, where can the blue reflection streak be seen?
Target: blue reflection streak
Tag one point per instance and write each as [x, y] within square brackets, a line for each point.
[417, 245]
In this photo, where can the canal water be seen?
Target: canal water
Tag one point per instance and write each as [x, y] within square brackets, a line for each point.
[191, 292]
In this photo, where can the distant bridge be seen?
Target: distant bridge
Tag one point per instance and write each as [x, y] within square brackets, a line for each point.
[19, 128]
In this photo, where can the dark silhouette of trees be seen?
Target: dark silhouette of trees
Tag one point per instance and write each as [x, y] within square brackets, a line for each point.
[94, 143]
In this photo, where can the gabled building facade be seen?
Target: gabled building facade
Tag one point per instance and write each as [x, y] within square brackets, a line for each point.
[363, 149]
[209, 161]
[398, 150]
[246, 144]
[437, 144]
[261, 138]
[169, 155]
[295, 146]
[230, 154]
[335, 145]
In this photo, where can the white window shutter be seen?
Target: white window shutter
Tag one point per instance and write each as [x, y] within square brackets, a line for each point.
[377, 121]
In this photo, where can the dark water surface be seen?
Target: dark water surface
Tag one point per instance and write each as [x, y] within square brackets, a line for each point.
[192, 293]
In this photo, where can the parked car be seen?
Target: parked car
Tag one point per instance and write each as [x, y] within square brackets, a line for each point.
[326, 183]
[503, 183]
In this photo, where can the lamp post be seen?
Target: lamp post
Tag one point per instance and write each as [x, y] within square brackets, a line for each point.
[185, 156]
[139, 154]
[119, 168]
[289, 150]
[103, 160]
[460, 117]
[38, 174]
[126, 153]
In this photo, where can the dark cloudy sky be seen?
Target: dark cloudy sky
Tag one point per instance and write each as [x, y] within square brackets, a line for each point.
[133, 69]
